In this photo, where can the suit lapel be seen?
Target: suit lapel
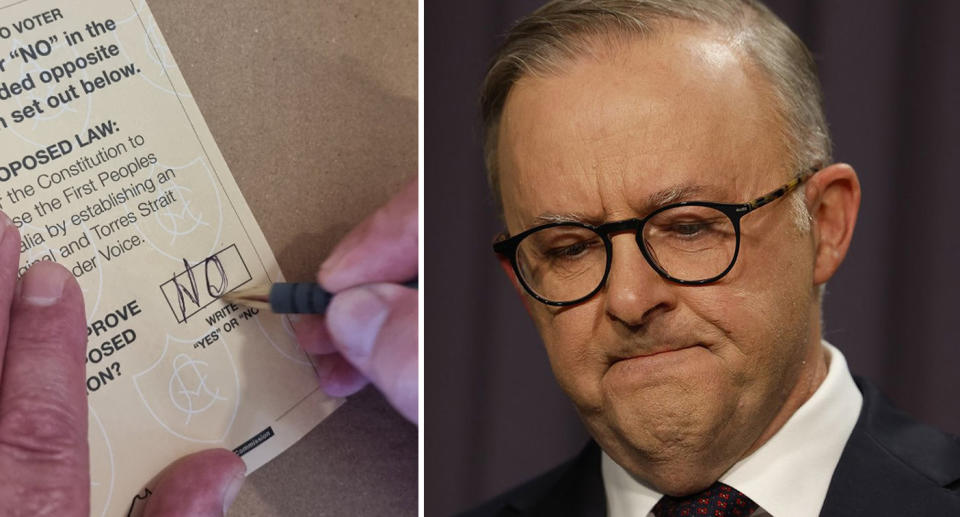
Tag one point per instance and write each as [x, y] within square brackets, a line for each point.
[577, 492]
[893, 465]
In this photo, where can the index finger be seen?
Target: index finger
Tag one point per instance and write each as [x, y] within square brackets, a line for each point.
[44, 465]
[383, 248]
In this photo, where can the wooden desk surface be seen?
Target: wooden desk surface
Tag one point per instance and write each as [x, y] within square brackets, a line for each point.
[314, 106]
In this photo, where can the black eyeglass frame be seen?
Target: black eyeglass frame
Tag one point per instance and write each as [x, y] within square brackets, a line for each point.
[507, 246]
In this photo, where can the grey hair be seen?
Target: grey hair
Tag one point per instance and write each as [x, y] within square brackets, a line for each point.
[564, 29]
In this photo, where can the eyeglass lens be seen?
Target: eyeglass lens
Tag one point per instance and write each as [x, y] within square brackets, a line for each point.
[567, 262]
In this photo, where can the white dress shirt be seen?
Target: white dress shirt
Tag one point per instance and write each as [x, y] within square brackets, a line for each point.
[789, 475]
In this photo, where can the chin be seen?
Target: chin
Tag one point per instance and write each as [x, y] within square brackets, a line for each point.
[676, 414]
[679, 466]
[679, 438]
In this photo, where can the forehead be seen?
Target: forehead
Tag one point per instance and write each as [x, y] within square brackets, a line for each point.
[633, 118]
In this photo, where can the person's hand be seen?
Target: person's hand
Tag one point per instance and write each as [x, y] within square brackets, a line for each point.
[369, 333]
[44, 463]
[44, 460]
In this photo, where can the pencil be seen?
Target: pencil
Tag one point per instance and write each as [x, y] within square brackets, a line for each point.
[289, 298]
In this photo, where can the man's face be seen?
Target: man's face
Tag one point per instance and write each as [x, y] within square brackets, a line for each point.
[676, 382]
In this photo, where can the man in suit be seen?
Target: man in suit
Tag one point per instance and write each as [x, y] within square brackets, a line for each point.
[664, 172]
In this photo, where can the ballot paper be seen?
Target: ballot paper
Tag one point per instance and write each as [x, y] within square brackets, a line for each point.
[107, 167]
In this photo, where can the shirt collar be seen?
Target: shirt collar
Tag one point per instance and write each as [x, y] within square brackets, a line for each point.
[790, 473]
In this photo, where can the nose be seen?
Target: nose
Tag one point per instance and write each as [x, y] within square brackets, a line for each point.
[634, 292]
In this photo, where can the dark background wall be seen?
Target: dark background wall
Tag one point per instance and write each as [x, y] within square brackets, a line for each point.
[493, 415]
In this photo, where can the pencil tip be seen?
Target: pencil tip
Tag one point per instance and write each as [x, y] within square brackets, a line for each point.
[257, 297]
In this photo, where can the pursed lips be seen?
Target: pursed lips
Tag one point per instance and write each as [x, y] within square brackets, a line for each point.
[660, 350]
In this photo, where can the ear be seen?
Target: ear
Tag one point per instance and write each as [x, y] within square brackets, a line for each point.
[833, 198]
[512, 275]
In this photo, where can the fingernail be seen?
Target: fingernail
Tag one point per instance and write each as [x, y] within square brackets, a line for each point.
[331, 263]
[232, 490]
[43, 286]
[355, 319]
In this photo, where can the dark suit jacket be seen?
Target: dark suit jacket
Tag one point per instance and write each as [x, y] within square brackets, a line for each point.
[891, 465]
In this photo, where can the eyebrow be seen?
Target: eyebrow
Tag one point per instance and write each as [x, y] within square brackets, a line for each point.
[566, 217]
[673, 194]
[664, 197]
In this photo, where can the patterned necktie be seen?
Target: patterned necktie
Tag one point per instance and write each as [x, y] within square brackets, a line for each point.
[718, 500]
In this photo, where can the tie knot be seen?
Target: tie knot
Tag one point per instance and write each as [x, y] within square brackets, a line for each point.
[718, 500]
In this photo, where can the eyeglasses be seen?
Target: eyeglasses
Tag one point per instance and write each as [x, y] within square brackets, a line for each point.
[690, 243]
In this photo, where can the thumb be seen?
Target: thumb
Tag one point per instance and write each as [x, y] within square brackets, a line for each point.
[375, 328]
[203, 484]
